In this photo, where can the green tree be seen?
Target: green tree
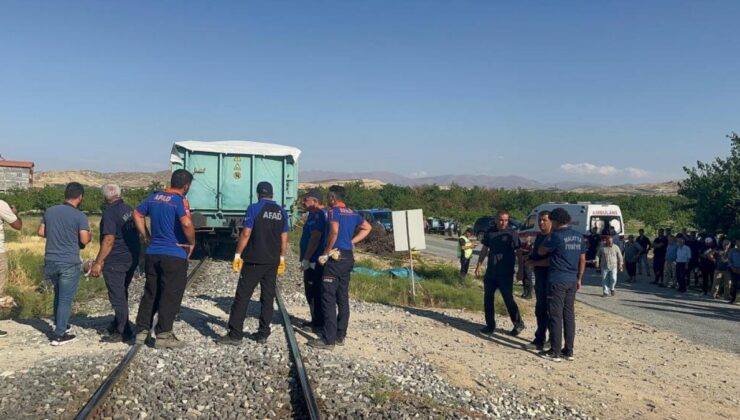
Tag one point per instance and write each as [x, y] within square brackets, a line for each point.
[714, 191]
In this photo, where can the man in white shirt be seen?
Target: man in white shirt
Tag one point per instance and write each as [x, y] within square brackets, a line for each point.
[9, 215]
[683, 256]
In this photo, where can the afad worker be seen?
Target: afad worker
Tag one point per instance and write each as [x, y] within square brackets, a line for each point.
[171, 242]
[346, 229]
[260, 257]
[313, 242]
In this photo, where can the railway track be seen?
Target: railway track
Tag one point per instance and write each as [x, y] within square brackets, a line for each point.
[101, 395]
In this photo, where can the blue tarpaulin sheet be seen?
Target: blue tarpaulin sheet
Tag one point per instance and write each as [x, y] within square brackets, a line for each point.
[395, 272]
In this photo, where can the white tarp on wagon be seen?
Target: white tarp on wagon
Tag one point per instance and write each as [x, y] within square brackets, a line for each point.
[234, 147]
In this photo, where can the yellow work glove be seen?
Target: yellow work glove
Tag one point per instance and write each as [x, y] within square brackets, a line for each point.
[238, 263]
[281, 266]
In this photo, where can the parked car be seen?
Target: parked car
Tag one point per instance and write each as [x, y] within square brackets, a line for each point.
[383, 217]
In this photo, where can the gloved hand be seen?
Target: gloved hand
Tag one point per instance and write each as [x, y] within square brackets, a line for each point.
[323, 259]
[238, 263]
[281, 266]
[333, 254]
[305, 265]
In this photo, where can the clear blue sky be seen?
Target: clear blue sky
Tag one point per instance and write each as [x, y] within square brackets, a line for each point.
[555, 91]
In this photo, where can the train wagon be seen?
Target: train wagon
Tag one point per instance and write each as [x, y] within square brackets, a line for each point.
[225, 176]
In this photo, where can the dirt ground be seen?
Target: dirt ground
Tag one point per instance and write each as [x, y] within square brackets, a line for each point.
[622, 369]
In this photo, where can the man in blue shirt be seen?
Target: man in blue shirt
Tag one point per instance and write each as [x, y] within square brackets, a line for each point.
[313, 241]
[346, 229]
[66, 231]
[117, 259]
[260, 258]
[500, 244]
[171, 242]
[567, 251]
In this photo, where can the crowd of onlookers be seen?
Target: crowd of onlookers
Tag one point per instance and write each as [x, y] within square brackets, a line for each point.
[711, 261]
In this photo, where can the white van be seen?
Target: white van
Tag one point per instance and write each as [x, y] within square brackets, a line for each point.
[585, 215]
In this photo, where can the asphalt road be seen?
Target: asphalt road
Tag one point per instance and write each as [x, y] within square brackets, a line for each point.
[691, 315]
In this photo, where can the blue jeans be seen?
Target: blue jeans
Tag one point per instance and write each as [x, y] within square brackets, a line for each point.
[66, 278]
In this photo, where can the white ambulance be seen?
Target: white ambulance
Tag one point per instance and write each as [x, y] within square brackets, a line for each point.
[585, 215]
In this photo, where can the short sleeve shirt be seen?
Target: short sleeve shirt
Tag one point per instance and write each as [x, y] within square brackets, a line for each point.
[661, 251]
[268, 222]
[62, 226]
[566, 247]
[118, 221]
[348, 221]
[6, 216]
[315, 222]
[166, 210]
[502, 246]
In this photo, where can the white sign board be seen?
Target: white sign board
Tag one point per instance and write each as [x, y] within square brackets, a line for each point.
[408, 230]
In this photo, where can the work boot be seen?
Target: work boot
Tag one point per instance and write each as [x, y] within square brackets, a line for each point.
[487, 330]
[115, 337]
[318, 343]
[259, 337]
[228, 340]
[168, 340]
[534, 346]
[141, 336]
[340, 341]
[517, 330]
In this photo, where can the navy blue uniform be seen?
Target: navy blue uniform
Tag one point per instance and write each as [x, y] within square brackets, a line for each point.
[121, 262]
[335, 281]
[566, 247]
[315, 222]
[541, 310]
[502, 246]
[268, 222]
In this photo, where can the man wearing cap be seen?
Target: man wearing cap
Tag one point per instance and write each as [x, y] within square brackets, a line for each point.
[346, 229]
[171, 242]
[117, 259]
[313, 240]
[260, 258]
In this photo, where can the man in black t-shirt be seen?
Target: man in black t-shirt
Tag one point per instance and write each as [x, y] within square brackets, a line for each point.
[660, 246]
[499, 246]
[260, 258]
[117, 260]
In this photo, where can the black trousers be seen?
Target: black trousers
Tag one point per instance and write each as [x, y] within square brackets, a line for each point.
[707, 276]
[658, 264]
[117, 280]
[464, 265]
[505, 284]
[541, 309]
[561, 298]
[335, 297]
[682, 276]
[253, 274]
[312, 286]
[166, 278]
[527, 285]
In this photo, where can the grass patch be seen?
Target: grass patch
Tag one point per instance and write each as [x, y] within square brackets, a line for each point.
[26, 284]
[430, 293]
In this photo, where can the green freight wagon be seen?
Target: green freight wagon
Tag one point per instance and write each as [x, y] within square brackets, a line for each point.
[225, 176]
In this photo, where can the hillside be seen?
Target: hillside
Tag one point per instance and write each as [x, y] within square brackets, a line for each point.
[97, 179]
[311, 179]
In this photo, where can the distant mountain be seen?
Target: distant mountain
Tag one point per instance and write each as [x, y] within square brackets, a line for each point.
[487, 181]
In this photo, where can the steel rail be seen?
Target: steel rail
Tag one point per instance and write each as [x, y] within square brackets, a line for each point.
[100, 394]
